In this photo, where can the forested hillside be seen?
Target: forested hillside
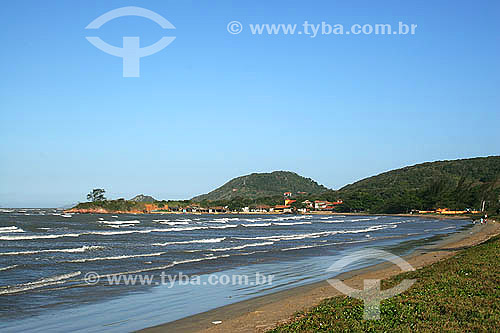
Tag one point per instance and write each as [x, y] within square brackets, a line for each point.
[259, 185]
[456, 184]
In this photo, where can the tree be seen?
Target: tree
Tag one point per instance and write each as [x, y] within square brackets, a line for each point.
[97, 194]
[298, 205]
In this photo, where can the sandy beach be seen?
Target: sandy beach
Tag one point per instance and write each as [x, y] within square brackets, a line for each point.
[262, 313]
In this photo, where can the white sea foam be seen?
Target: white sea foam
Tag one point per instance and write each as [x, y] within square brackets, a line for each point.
[196, 241]
[175, 223]
[119, 257]
[255, 220]
[120, 222]
[241, 247]
[364, 219]
[331, 220]
[331, 217]
[145, 231]
[8, 267]
[312, 235]
[199, 259]
[121, 226]
[372, 228]
[294, 217]
[37, 237]
[72, 250]
[182, 229]
[249, 253]
[300, 247]
[53, 280]
[257, 224]
[222, 220]
[10, 229]
[102, 233]
[278, 238]
[291, 223]
[123, 232]
[225, 219]
[224, 226]
[445, 228]
[400, 222]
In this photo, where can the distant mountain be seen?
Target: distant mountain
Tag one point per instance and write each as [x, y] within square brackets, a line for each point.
[67, 206]
[257, 185]
[455, 184]
[143, 198]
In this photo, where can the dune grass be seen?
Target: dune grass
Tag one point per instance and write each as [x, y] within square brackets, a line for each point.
[459, 294]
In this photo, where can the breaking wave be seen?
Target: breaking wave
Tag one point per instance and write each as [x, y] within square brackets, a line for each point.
[4, 230]
[73, 250]
[8, 267]
[257, 224]
[120, 222]
[37, 237]
[196, 241]
[53, 280]
[119, 257]
[241, 247]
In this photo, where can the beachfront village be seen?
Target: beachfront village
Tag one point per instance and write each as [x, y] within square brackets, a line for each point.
[290, 205]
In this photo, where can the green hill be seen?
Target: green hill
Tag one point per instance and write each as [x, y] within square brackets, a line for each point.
[456, 184]
[258, 185]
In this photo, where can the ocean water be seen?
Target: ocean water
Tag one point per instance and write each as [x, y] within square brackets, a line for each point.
[45, 256]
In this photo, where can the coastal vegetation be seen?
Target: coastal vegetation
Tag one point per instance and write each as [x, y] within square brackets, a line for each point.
[459, 294]
[96, 194]
[457, 185]
[119, 205]
[468, 184]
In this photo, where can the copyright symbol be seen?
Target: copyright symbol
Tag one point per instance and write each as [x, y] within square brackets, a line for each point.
[91, 278]
[234, 27]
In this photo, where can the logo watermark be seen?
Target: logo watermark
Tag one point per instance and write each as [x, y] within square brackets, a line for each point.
[131, 52]
[234, 27]
[371, 295]
[164, 279]
[312, 30]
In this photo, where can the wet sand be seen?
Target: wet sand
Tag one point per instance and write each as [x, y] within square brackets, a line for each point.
[262, 313]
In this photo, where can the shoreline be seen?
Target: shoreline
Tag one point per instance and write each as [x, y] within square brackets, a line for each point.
[327, 213]
[265, 312]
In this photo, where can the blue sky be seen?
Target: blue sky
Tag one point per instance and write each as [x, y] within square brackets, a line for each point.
[212, 105]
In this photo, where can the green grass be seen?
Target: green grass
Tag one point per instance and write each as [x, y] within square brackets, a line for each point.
[459, 294]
